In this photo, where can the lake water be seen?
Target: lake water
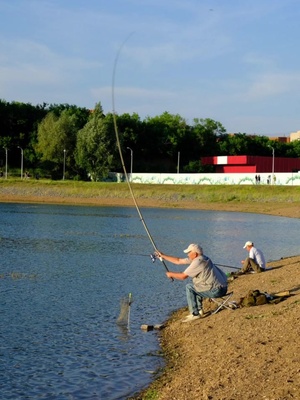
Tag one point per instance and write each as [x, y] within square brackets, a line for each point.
[64, 271]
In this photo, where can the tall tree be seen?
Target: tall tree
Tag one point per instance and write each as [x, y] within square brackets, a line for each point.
[57, 141]
[95, 145]
[232, 145]
[200, 140]
[18, 127]
[159, 142]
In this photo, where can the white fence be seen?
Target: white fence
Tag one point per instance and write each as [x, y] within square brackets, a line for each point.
[285, 179]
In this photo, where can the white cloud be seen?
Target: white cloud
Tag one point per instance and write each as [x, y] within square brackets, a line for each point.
[272, 84]
[30, 63]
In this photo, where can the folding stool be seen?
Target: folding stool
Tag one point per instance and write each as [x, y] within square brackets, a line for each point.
[223, 302]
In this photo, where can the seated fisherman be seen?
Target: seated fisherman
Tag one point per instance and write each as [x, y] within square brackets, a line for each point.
[255, 260]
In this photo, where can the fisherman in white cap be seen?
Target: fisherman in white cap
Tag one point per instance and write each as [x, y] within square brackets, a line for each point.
[255, 260]
[208, 280]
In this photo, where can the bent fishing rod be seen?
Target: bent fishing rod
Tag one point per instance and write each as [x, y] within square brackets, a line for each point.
[122, 159]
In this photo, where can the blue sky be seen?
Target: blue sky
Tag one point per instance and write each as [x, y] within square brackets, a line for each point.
[235, 61]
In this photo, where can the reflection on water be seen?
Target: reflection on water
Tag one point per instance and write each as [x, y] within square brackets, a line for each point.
[64, 271]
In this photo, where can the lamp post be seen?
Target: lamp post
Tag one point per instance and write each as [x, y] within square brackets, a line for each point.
[273, 163]
[64, 167]
[21, 161]
[131, 162]
[5, 148]
[178, 161]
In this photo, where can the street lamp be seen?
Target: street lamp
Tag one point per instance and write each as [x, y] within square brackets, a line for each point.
[64, 167]
[178, 161]
[131, 162]
[21, 161]
[273, 163]
[5, 148]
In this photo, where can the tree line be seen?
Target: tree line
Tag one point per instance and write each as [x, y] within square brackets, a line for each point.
[84, 141]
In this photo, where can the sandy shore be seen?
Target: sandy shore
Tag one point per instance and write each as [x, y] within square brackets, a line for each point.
[250, 353]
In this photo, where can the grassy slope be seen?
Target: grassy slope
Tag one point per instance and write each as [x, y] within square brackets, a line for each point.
[225, 193]
[246, 198]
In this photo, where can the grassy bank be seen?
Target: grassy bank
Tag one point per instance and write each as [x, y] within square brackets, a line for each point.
[203, 193]
[247, 198]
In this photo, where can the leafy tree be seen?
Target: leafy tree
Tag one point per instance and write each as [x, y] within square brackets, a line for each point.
[96, 145]
[206, 133]
[233, 145]
[197, 167]
[243, 144]
[200, 140]
[258, 145]
[293, 149]
[282, 149]
[165, 132]
[5, 142]
[129, 127]
[159, 142]
[18, 127]
[56, 140]
[80, 114]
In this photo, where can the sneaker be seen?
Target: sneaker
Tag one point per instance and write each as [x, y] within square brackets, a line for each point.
[191, 317]
[201, 312]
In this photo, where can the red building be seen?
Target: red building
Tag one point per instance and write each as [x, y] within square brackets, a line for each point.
[236, 164]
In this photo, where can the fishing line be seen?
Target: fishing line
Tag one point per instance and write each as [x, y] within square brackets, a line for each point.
[121, 155]
[227, 266]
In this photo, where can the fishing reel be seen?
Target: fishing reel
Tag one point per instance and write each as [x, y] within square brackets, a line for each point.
[153, 257]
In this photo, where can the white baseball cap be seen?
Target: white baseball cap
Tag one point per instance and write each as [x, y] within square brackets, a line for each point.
[248, 244]
[193, 247]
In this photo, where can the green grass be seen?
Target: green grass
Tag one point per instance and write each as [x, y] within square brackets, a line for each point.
[168, 193]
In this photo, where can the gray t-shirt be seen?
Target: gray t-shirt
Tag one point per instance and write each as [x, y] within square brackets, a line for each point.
[258, 257]
[206, 276]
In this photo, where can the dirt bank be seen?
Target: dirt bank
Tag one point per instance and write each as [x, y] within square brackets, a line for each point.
[251, 353]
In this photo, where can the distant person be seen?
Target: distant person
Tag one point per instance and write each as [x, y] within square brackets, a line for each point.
[255, 260]
[274, 180]
[258, 179]
[208, 280]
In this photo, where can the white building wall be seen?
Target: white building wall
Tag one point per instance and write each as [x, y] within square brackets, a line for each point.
[286, 179]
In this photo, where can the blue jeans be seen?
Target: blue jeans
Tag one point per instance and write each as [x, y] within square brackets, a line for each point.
[195, 298]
